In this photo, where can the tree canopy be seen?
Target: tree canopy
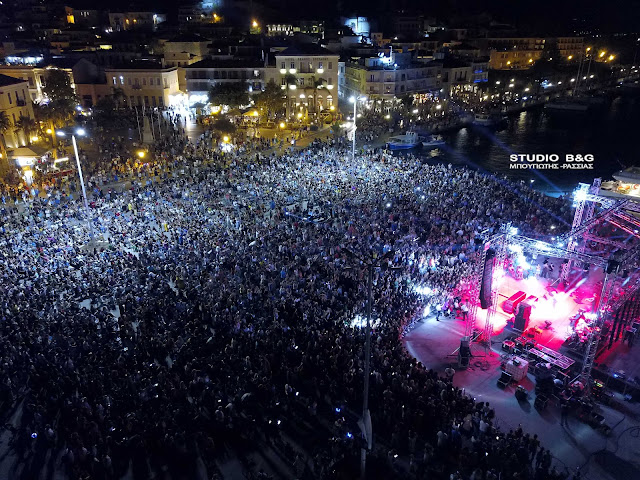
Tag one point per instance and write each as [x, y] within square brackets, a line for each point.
[271, 99]
[231, 94]
[224, 126]
[58, 86]
[62, 98]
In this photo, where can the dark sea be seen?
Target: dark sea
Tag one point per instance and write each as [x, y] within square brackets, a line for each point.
[610, 133]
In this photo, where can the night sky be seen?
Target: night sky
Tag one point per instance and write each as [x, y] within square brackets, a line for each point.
[608, 16]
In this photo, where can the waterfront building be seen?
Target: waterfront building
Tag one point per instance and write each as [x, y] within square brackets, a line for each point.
[203, 75]
[144, 84]
[14, 103]
[309, 75]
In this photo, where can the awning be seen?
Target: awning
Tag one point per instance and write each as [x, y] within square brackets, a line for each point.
[28, 152]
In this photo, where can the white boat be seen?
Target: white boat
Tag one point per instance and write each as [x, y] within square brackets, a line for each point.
[404, 142]
[433, 142]
[567, 106]
[632, 88]
[483, 119]
[629, 175]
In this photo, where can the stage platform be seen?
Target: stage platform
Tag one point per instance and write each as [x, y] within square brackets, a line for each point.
[553, 305]
[573, 446]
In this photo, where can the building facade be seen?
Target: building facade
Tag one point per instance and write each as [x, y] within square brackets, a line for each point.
[309, 75]
[513, 59]
[203, 75]
[569, 46]
[14, 103]
[146, 86]
[386, 82]
[121, 21]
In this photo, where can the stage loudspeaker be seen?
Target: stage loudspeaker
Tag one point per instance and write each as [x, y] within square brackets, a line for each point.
[625, 273]
[487, 278]
[612, 266]
[465, 350]
[522, 317]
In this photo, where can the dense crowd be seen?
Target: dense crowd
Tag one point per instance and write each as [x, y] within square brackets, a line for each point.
[221, 302]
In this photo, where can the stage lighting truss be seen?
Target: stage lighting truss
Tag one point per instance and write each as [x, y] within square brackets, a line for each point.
[530, 245]
[594, 337]
[570, 247]
[585, 199]
[501, 246]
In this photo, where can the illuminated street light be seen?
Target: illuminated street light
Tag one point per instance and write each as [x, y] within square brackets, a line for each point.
[352, 99]
[225, 139]
[141, 153]
[80, 132]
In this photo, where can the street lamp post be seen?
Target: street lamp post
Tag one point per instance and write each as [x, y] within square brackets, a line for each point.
[354, 100]
[366, 417]
[80, 132]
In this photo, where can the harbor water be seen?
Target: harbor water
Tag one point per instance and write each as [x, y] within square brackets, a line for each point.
[611, 134]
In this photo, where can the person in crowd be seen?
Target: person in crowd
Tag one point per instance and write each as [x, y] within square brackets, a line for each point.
[201, 306]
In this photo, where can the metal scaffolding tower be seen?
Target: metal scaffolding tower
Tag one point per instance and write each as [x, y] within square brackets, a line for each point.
[606, 307]
[501, 243]
[474, 292]
[580, 201]
[594, 338]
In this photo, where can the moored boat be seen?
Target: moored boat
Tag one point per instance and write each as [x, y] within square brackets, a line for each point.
[433, 142]
[404, 142]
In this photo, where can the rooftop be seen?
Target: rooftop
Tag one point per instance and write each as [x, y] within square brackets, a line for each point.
[305, 49]
[188, 38]
[463, 46]
[452, 63]
[228, 63]
[6, 80]
[140, 65]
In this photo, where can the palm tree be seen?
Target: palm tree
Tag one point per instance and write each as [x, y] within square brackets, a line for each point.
[28, 125]
[317, 83]
[5, 125]
[119, 96]
[44, 115]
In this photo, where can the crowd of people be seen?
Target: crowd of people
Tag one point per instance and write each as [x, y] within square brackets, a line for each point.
[219, 301]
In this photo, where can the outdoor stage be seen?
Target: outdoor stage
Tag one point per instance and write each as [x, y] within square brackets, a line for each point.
[553, 304]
